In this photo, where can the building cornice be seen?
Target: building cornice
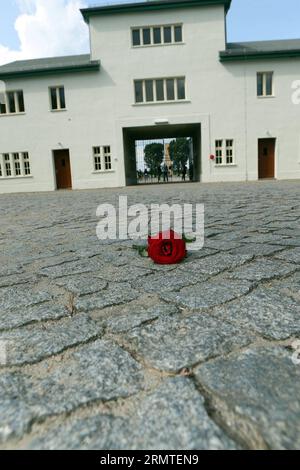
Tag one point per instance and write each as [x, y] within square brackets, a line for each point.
[229, 56]
[154, 5]
[37, 72]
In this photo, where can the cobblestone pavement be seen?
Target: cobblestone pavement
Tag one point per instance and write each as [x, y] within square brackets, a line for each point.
[102, 349]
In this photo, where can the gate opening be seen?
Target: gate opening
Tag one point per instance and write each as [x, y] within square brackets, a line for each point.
[162, 154]
[164, 161]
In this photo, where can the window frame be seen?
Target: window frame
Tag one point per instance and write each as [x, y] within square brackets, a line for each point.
[264, 75]
[17, 106]
[224, 148]
[58, 100]
[229, 148]
[26, 164]
[19, 167]
[162, 27]
[144, 34]
[107, 158]
[159, 29]
[102, 155]
[17, 164]
[134, 30]
[165, 81]
[7, 165]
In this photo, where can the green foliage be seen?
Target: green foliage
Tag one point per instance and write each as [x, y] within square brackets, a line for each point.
[154, 156]
[179, 153]
[142, 250]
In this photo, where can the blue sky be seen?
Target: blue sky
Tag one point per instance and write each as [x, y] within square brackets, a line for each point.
[247, 20]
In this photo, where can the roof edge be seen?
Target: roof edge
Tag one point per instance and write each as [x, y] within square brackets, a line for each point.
[93, 66]
[226, 56]
[149, 6]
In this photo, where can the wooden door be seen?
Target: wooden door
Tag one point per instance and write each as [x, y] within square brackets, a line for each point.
[62, 169]
[266, 158]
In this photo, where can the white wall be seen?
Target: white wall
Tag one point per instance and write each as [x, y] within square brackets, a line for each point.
[222, 97]
[196, 59]
[275, 117]
[85, 124]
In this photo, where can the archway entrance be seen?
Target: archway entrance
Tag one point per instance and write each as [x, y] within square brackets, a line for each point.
[167, 141]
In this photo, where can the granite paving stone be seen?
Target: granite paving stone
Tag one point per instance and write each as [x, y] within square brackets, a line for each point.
[222, 245]
[289, 242]
[292, 256]
[203, 253]
[263, 269]
[267, 311]
[171, 281]
[116, 293]
[262, 385]
[99, 432]
[100, 371]
[178, 342]
[214, 264]
[71, 268]
[101, 348]
[10, 270]
[258, 249]
[289, 286]
[173, 417]
[36, 313]
[11, 298]
[208, 294]
[136, 316]
[269, 238]
[125, 273]
[17, 279]
[34, 343]
[58, 260]
[82, 284]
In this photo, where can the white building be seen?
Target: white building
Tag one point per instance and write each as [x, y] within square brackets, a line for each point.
[157, 69]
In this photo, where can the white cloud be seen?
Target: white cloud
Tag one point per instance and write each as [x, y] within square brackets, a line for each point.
[48, 28]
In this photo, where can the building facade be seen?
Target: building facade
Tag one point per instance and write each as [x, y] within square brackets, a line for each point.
[156, 69]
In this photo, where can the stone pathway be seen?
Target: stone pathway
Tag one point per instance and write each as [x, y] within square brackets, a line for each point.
[102, 349]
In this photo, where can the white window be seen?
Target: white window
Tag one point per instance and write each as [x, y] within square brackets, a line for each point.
[26, 164]
[224, 152]
[159, 89]
[57, 98]
[219, 152]
[7, 165]
[12, 102]
[97, 159]
[102, 158]
[107, 158]
[157, 35]
[265, 84]
[15, 164]
[229, 152]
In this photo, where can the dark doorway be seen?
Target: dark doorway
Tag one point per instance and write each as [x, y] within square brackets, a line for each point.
[62, 169]
[136, 138]
[266, 158]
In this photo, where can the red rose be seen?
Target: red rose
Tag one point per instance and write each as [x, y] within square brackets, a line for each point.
[166, 248]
